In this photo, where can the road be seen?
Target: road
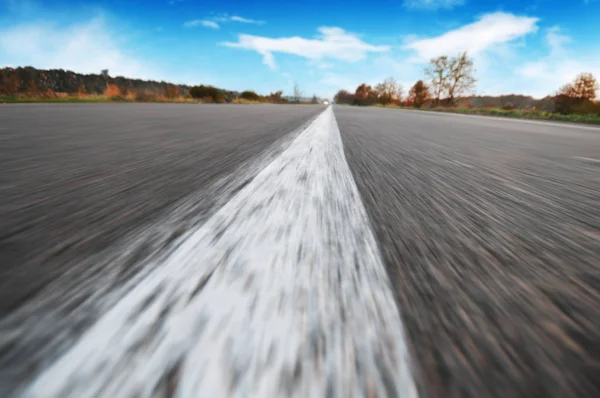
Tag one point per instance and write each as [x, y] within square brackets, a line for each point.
[149, 250]
[89, 194]
[490, 231]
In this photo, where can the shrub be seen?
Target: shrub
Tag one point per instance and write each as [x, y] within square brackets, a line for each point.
[145, 97]
[344, 97]
[250, 96]
[202, 92]
[171, 92]
[586, 108]
[112, 91]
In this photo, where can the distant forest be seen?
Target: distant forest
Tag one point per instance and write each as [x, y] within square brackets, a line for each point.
[29, 80]
[34, 83]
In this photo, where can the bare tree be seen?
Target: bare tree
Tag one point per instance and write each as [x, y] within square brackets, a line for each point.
[380, 90]
[314, 99]
[451, 77]
[276, 97]
[297, 93]
[388, 91]
[398, 92]
[104, 73]
[438, 72]
[418, 94]
[460, 76]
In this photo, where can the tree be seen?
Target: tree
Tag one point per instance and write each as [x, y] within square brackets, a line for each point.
[9, 81]
[250, 95]
[438, 72]
[451, 77]
[577, 97]
[104, 73]
[112, 91]
[314, 99]
[418, 94]
[362, 92]
[365, 95]
[460, 77]
[399, 93]
[297, 93]
[206, 92]
[276, 97]
[388, 91]
[31, 87]
[344, 97]
[372, 97]
[584, 87]
[171, 92]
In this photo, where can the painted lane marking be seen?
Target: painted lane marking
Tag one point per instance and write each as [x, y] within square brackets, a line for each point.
[587, 159]
[281, 292]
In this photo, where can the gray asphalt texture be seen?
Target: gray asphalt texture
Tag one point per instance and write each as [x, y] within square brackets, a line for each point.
[490, 231]
[81, 186]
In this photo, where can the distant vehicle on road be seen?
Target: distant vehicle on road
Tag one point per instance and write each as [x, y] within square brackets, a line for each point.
[325, 102]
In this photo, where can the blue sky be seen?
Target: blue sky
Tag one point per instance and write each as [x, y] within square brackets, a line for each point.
[529, 47]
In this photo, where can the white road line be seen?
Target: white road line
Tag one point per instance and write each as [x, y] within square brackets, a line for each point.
[281, 293]
[587, 159]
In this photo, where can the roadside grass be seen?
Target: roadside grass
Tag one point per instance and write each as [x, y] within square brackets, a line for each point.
[246, 101]
[17, 99]
[9, 99]
[513, 113]
[114, 97]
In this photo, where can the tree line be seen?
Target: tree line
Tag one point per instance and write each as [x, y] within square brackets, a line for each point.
[34, 82]
[209, 94]
[38, 83]
[450, 79]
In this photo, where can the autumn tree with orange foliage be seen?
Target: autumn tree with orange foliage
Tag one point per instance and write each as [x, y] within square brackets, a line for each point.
[362, 92]
[9, 82]
[578, 96]
[112, 91]
[583, 87]
[418, 94]
[171, 92]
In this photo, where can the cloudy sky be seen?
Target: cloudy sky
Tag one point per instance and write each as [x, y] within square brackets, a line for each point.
[525, 46]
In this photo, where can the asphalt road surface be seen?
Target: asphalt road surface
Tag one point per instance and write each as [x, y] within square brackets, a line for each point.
[186, 250]
[490, 232]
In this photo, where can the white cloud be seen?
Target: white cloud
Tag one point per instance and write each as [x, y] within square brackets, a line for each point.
[201, 22]
[84, 48]
[546, 74]
[556, 40]
[433, 4]
[489, 30]
[236, 18]
[333, 43]
[226, 18]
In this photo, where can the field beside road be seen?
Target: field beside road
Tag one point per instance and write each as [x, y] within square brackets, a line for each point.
[73, 99]
[509, 113]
